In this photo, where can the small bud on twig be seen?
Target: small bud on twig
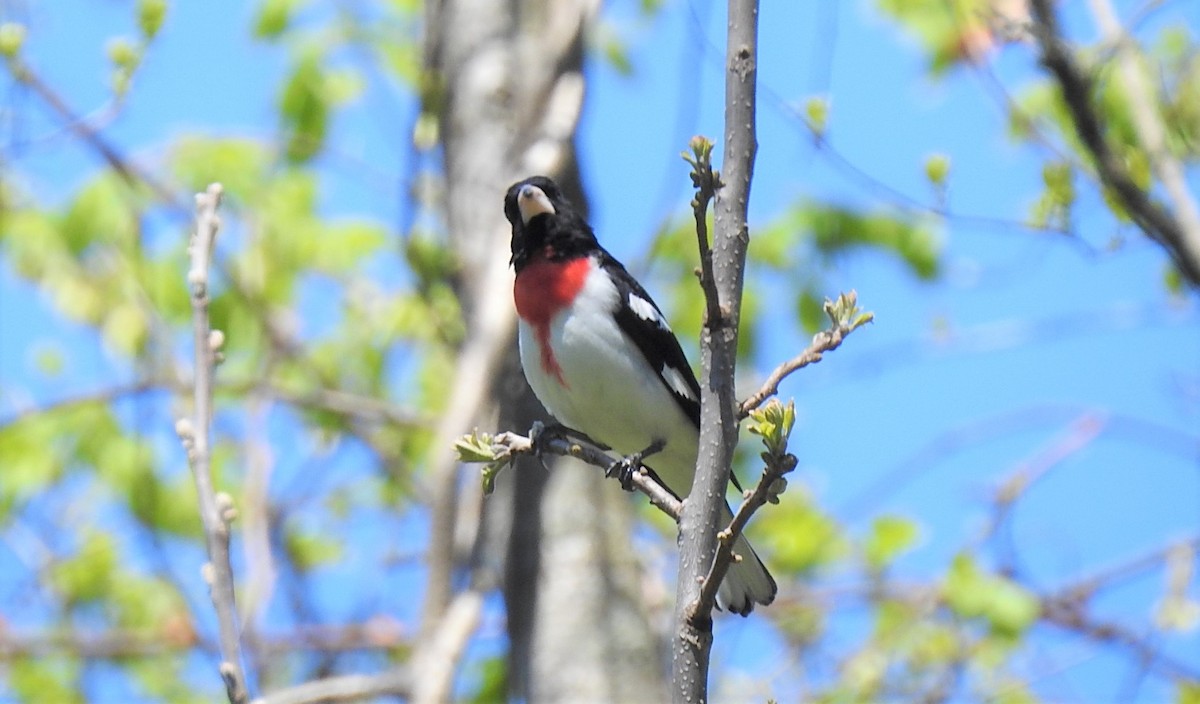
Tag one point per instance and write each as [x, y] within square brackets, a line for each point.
[208, 573]
[225, 508]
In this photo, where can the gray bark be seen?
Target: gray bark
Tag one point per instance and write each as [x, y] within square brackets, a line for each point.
[718, 412]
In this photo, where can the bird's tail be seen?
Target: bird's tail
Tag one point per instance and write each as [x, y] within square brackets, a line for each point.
[747, 582]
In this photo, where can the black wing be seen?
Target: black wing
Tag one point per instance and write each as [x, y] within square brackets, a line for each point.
[640, 318]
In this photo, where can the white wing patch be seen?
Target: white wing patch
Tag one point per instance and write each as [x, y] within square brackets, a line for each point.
[646, 311]
[676, 381]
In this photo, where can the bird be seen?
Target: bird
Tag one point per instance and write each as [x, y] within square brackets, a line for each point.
[601, 357]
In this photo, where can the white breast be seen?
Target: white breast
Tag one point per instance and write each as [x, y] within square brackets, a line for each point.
[611, 393]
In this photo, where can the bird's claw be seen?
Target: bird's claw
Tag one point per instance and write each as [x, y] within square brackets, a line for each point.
[624, 468]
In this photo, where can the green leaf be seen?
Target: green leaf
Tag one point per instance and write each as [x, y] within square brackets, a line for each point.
[1173, 279]
[344, 85]
[816, 113]
[102, 212]
[342, 247]
[304, 107]
[31, 452]
[49, 359]
[126, 329]
[773, 421]
[950, 31]
[124, 52]
[309, 551]
[151, 14]
[773, 246]
[492, 674]
[614, 49]
[836, 230]
[798, 536]
[1007, 607]
[430, 259]
[87, 576]
[476, 447]
[274, 17]
[1187, 692]
[239, 164]
[12, 38]
[44, 680]
[810, 308]
[937, 168]
[890, 536]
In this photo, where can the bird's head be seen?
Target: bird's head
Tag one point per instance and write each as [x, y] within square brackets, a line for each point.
[544, 223]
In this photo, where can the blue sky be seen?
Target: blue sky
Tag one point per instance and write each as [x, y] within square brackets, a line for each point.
[955, 384]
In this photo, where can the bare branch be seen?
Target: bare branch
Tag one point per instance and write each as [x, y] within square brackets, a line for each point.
[128, 171]
[441, 656]
[344, 688]
[513, 444]
[822, 342]
[701, 516]
[1070, 612]
[216, 511]
[1077, 92]
[776, 467]
[1150, 130]
[376, 634]
[99, 396]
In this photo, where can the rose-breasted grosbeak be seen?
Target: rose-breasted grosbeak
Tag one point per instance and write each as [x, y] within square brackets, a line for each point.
[602, 359]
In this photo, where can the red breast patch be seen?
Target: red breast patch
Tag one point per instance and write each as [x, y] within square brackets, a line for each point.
[543, 288]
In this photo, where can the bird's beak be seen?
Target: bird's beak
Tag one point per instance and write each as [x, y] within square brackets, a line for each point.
[533, 201]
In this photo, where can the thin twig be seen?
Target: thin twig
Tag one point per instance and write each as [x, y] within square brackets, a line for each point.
[179, 635]
[824, 341]
[707, 182]
[216, 511]
[129, 172]
[344, 688]
[513, 444]
[1130, 567]
[755, 499]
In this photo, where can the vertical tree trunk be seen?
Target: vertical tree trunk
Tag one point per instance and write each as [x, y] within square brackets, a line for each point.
[510, 85]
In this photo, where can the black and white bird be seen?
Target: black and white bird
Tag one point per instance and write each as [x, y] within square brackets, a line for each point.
[602, 359]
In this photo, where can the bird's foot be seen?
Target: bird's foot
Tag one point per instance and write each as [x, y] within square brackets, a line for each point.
[624, 468]
[542, 434]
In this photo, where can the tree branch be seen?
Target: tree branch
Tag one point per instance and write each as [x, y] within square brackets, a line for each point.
[777, 465]
[718, 404]
[822, 342]
[440, 657]
[177, 636]
[1077, 91]
[706, 182]
[1150, 131]
[129, 172]
[506, 445]
[343, 688]
[216, 510]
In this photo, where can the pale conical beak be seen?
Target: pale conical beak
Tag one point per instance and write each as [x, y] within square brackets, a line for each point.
[533, 201]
